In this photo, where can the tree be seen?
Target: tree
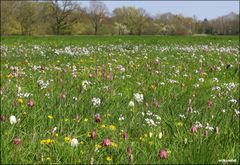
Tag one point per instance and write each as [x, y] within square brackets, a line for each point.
[26, 16]
[134, 19]
[61, 14]
[97, 12]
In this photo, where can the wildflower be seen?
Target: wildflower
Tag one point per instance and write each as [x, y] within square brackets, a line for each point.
[86, 120]
[62, 96]
[194, 129]
[138, 97]
[163, 154]
[13, 119]
[16, 141]
[131, 104]
[20, 101]
[160, 135]
[112, 127]
[124, 136]
[67, 139]
[93, 134]
[210, 103]
[106, 142]
[121, 118]
[30, 104]
[53, 131]
[113, 144]
[74, 142]
[97, 118]
[109, 158]
[50, 116]
[96, 102]
[47, 141]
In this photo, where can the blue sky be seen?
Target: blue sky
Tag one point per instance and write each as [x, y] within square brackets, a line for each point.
[202, 9]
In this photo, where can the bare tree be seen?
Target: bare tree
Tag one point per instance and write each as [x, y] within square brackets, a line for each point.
[97, 11]
[61, 12]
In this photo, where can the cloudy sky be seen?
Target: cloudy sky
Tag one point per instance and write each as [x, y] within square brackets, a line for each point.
[202, 9]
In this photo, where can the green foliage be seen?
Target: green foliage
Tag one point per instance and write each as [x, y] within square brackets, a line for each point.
[116, 68]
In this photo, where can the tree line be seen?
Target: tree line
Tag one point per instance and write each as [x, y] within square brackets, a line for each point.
[69, 18]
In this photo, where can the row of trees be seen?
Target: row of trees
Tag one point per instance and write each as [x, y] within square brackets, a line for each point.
[68, 17]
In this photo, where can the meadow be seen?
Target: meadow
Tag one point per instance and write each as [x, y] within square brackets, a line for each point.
[120, 100]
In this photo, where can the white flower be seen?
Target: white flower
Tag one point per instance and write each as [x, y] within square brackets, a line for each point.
[13, 119]
[74, 142]
[131, 104]
[236, 111]
[201, 79]
[121, 117]
[96, 102]
[138, 97]
[160, 135]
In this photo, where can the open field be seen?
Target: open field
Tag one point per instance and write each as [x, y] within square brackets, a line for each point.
[119, 99]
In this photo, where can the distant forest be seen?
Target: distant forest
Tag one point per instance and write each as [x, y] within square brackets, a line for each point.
[69, 18]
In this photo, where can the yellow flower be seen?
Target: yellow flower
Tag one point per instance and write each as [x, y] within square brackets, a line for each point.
[98, 146]
[89, 134]
[86, 120]
[103, 126]
[50, 116]
[20, 101]
[56, 134]
[67, 139]
[81, 142]
[113, 144]
[112, 127]
[109, 158]
[48, 158]
[47, 141]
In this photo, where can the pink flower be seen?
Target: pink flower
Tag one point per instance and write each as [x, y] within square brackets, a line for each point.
[16, 141]
[30, 103]
[93, 134]
[163, 154]
[97, 118]
[106, 142]
[63, 96]
[210, 103]
[194, 129]
[125, 136]
[53, 131]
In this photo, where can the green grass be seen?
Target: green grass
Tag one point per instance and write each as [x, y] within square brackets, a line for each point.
[150, 65]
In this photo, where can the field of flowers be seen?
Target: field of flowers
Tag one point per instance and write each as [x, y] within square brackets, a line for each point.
[119, 100]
